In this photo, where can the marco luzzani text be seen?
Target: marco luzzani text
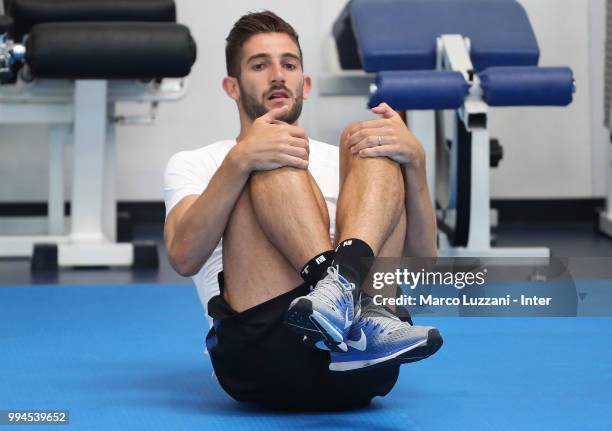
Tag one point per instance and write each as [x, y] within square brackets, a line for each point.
[457, 280]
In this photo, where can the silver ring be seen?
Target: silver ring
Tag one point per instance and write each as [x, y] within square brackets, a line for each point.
[379, 141]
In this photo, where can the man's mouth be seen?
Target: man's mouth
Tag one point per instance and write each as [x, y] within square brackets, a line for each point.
[278, 95]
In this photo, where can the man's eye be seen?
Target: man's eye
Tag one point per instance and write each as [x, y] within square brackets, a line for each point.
[290, 66]
[258, 66]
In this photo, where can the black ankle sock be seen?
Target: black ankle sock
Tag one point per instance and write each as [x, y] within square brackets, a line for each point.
[354, 258]
[315, 268]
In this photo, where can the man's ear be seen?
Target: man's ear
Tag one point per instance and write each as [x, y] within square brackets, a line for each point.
[231, 87]
[307, 87]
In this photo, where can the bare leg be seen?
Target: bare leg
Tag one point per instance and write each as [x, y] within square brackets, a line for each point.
[393, 247]
[255, 269]
[371, 199]
[388, 200]
[291, 212]
[370, 209]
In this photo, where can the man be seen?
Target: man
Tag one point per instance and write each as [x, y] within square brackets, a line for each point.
[261, 208]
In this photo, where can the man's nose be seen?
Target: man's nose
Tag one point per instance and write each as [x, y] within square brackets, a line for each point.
[277, 74]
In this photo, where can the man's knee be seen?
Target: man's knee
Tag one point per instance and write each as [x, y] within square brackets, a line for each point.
[287, 178]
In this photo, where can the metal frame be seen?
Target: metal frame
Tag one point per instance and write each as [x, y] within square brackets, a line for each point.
[605, 216]
[454, 54]
[81, 112]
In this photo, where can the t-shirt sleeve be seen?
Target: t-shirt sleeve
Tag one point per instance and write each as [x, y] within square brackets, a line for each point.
[184, 176]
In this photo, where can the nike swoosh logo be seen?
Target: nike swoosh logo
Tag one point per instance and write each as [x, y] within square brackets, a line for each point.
[360, 344]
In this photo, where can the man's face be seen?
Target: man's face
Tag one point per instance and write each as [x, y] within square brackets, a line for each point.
[271, 76]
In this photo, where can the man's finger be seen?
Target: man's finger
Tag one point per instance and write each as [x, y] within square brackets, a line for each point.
[299, 142]
[300, 152]
[371, 124]
[274, 114]
[348, 130]
[352, 128]
[361, 127]
[297, 132]
[362, 134]
[384, 110]
[370, 141]
[373, 152]
[295, 162]
[390, 151]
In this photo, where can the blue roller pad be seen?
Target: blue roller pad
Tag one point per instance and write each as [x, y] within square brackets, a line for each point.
[527, 86]
[420, 89]
[401, 34]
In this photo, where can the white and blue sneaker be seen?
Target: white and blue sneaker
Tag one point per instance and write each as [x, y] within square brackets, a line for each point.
[379, 338]
[324, 316]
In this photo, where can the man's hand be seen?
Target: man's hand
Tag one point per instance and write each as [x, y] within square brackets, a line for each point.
[272, 144]
[384, 137]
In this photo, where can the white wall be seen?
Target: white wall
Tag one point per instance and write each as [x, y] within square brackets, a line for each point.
[600, 141]
[550, 152]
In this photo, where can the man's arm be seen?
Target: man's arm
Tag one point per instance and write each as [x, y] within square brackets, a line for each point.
[196, 224]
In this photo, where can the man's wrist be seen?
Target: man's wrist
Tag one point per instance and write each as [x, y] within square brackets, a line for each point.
[237, 162]
[415, 172]
[418, 161]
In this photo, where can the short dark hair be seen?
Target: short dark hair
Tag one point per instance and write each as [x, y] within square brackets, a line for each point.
[249, 25]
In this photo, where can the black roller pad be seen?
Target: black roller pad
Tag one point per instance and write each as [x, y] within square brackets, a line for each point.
[28, 13]
[110, 50]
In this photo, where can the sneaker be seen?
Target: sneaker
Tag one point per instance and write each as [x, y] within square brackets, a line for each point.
[379, 338]
[326, 314]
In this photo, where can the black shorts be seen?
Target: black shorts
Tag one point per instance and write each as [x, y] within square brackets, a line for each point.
[257, 359]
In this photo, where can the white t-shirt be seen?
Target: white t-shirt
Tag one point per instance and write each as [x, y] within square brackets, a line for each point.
[189, 172]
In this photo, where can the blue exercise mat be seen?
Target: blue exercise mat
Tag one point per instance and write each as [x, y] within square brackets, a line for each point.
[132, 357]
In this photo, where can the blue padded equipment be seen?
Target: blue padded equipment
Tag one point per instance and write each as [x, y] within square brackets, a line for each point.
[401, 34]
[527, 86]
[420, 89]
[464, 55]
[398, 38]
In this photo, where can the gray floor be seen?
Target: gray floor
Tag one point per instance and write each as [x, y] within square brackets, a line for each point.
[588, 254]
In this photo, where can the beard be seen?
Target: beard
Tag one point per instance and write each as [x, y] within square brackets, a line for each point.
[255, 109]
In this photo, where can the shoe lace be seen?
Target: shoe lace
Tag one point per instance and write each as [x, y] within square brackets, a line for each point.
[331, 289]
